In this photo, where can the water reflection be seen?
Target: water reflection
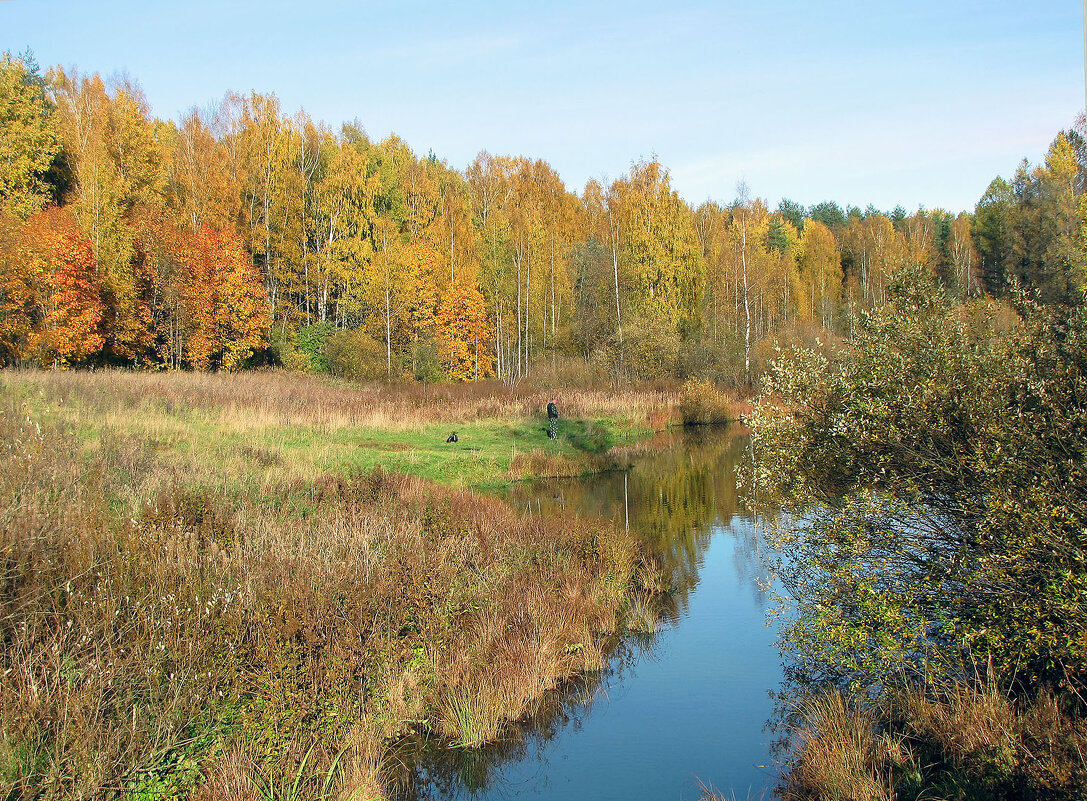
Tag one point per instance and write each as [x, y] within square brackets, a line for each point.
[684, 705]
[675, 498]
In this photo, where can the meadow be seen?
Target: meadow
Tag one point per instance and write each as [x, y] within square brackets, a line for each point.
[250, 586]
[275, 426]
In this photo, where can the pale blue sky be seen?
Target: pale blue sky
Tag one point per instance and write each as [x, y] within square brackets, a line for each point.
[918, 103]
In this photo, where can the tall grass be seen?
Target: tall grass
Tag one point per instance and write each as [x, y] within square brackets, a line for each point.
[279, 398]
[168, 634]
[840, 755]
[961, 740]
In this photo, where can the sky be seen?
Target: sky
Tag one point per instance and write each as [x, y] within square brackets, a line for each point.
[919, 103]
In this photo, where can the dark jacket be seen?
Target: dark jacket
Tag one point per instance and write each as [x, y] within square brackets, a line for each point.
[552, 411]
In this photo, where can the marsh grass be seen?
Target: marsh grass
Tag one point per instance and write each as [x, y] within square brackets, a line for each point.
[193, 608]
[710, 793]
[839, 754]
[642, 613]
[961, 740]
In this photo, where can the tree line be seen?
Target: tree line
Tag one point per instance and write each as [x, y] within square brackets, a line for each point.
[241, 234]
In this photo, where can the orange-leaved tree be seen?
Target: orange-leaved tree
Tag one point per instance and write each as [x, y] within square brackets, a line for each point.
[50, 292]
[462, 334]
[224, 308]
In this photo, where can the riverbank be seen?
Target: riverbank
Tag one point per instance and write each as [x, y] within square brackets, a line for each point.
[210, 591]
[955, 740]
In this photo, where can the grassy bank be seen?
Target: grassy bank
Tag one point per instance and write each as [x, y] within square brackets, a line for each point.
[967, 741]
[205, 591]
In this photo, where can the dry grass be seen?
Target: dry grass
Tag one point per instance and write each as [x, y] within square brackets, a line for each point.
[970, 725]
[276, 398]
[839, 755]
[166, 631]
[967, 741]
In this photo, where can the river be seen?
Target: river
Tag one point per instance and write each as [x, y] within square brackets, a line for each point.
[685, 707]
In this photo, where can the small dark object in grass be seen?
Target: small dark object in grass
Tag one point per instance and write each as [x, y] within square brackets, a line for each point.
[452, 437]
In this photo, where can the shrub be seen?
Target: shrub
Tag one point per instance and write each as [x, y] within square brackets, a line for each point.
[936, 476]
[311, 341]
[568, 372]
[701, 403]
[653, 346]
[720, 363]
[426, 366]
[355, 355]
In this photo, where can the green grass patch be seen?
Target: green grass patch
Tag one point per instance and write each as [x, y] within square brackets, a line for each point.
[237, 455]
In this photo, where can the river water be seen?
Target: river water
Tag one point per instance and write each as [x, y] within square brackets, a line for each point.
[686, 707]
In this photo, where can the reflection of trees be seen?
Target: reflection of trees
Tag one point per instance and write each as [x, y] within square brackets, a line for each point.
[750, 559]
[675, 500]
[679, 496]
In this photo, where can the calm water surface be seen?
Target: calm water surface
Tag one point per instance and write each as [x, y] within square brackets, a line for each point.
[689, 704]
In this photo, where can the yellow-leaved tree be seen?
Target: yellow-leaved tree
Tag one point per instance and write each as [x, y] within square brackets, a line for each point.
[421, 269]
[28, 137]
[116, 164]
[820, 266]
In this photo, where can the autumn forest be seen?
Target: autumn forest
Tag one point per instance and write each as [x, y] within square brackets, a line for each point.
[243, 235]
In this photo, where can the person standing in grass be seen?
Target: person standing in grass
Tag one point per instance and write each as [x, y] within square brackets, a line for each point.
[552, 419]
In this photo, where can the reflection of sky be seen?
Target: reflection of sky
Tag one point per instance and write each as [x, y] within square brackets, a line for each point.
[848, 100]
[693, 704]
